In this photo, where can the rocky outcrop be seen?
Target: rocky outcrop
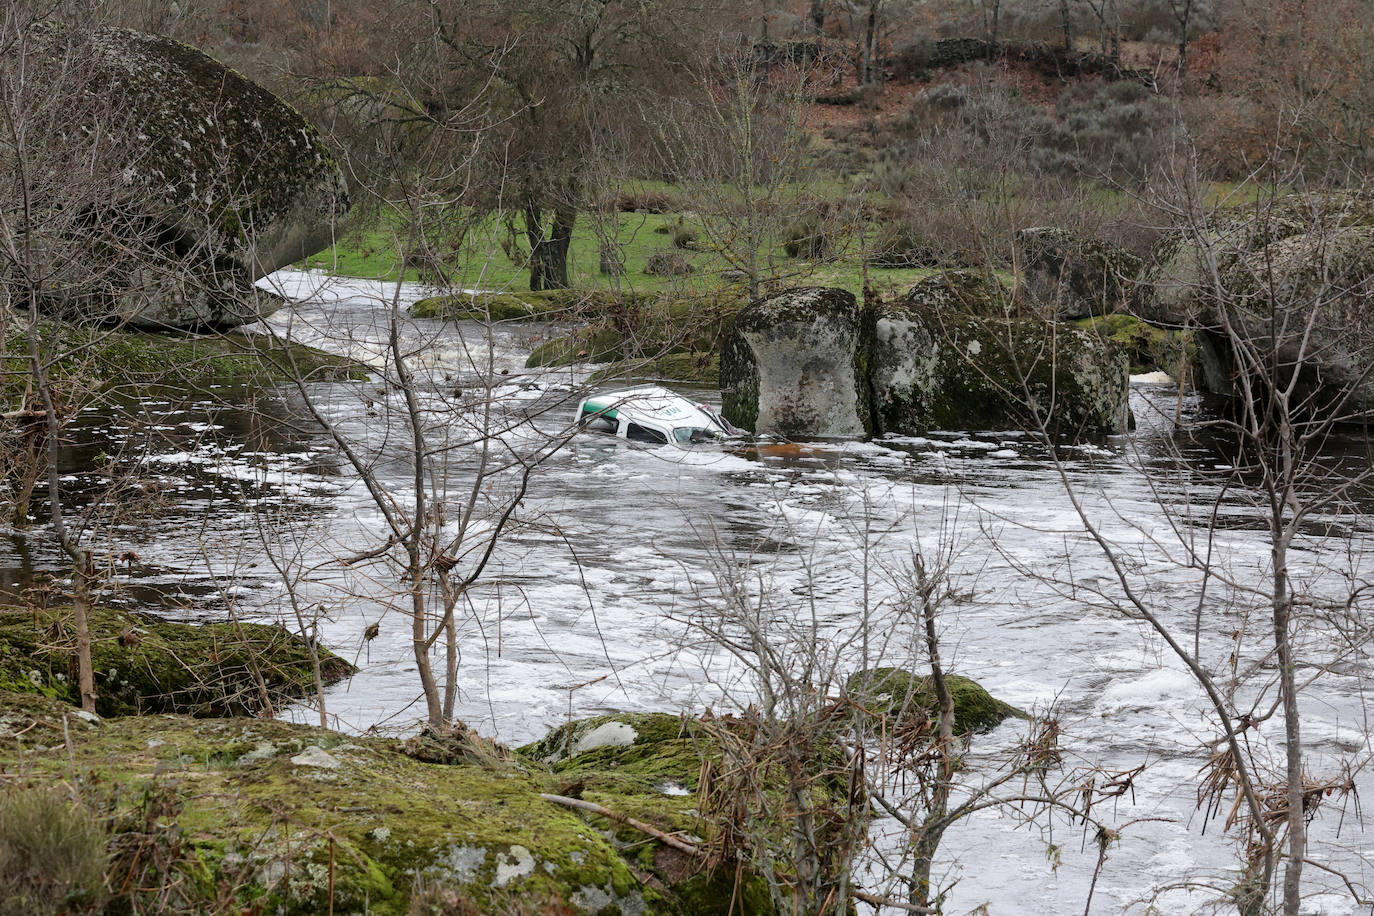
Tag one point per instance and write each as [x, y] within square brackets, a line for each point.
[1293, 278]
[793, 364]
[214, 181]
[1074, 277]
[952, 355]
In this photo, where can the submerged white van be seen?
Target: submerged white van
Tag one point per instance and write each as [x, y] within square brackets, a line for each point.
[652, 415]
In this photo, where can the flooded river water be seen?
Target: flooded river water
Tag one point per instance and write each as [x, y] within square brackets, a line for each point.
[589, 602]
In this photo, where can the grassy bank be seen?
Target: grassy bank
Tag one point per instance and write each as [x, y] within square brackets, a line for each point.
[491, 257]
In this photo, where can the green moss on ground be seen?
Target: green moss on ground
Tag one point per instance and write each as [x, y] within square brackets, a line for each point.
[1149, 348]
[104, 359]
[651, 773]
[897, 692]
[677, 338]
[145, 665]
[510, 306]
[281, 813]
[276, 814]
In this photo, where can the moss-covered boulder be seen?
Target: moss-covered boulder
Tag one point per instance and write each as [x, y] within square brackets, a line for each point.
[1197, 261]
[99, 359]
[667, 337]
[267, 816]
[1070, 276]
[145, 665]
[701, 368]
[1149, 348]
[794, 364]
[213, 180]
[1292, 276]
[544, 305]
[952, 354]
[899, 693]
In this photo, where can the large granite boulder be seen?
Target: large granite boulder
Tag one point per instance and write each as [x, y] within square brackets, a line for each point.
[1073, 277]
[793, 364]
[213, 180]
[1197, 262]
[952, 354]
[1294, 278]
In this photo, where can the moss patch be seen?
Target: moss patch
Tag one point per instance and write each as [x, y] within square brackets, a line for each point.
[689, 368]
[680, 336]
[143, 664]
[895, 691]
[648, 766]
[1148, 348]
[549, 304]
[104, 359]
[280, 813]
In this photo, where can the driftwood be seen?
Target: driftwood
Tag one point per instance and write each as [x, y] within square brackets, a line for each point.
[666, 839]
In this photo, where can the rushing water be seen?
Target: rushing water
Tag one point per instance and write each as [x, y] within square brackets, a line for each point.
[591, 598]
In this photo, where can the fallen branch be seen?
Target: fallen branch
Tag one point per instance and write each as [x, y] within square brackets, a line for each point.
[666, 839]
[888, 901]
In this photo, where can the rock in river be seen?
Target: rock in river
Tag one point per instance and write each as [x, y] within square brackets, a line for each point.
[792, 364]
[205, 182]
[951, 355]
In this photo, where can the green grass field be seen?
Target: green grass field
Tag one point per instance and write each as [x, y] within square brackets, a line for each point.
[483, 263]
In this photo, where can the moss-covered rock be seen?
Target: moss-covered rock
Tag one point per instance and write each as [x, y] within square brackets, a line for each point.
[510, 306]
[1183, 272]
[897, 692]
[1149, 348]
[144, 665]
[300, 820]
[103, 359]
[648, 766]
[794, 364]
[1072, 277]
[219, 180]
[674, 337]
[686, 368]
[945, 358]
[1292, 276]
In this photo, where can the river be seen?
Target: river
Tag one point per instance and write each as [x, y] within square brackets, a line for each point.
[592, 599]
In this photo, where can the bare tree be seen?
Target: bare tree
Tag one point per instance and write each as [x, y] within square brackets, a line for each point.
[1278, 315]
[62, 214]
[739, 152]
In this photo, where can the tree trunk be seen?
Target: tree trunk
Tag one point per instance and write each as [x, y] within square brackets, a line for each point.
[870, 44]
[549, 252]
[1185, 21]
[1297, 822]
[1066, 23]
[818, 16]
[81, 604]
[83, 568]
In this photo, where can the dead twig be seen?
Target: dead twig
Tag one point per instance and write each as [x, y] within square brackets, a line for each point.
[666, 839]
